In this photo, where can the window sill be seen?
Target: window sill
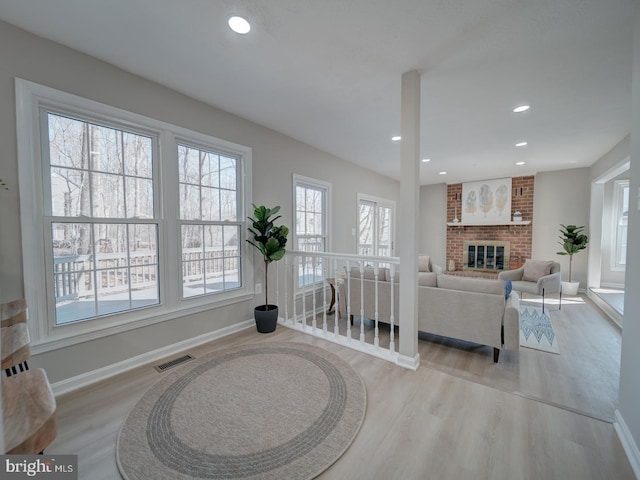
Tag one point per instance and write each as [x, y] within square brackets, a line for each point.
[67, 337]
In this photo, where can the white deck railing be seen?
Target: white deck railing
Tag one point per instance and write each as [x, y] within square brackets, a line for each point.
[303, 291]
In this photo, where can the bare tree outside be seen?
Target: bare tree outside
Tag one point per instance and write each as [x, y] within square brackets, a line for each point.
[375, 226]
[101, 181]
[310, 230]
[366, 228]
[208, 194]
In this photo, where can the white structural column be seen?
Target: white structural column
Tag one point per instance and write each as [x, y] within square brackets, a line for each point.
[408, 219]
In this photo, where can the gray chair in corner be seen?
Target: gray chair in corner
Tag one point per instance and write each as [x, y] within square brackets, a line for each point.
[536, 277]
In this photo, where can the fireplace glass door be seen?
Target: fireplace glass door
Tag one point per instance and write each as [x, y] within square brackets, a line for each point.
[485, 257]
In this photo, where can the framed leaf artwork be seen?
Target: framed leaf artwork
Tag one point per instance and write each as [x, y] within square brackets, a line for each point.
[487, 201]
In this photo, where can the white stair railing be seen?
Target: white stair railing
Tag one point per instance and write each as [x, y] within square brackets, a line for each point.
[363, 285]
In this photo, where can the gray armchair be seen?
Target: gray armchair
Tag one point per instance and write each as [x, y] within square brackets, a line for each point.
[536, 277]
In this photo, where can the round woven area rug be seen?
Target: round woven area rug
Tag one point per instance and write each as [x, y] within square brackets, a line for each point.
[268, 411]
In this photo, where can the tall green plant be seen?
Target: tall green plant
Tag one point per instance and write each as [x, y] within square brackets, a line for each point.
[572, 241]
[269, 239]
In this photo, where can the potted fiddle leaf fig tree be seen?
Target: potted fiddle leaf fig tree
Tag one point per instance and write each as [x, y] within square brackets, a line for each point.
[573, 240]
[270, 240]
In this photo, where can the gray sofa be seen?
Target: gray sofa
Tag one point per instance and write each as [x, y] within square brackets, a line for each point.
[470, 309]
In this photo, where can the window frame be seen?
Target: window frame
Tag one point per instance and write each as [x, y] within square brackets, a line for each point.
[377, 201]
[48, 219]
[300, 180]
[31, 98]
[239, 222]
[617, 214]
[307, 182]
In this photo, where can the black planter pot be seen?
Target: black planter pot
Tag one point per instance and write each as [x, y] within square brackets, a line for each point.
[266, 318]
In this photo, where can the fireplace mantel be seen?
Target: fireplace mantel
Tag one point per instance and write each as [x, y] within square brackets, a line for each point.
[486, 224]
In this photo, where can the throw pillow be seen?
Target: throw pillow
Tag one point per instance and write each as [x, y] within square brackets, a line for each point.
[507, 289]
[423, 263]
[534, 269]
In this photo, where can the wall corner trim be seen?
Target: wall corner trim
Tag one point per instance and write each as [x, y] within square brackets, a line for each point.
[84, 379]
[628, 443]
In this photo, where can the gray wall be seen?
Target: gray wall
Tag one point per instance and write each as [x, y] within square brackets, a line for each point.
[629, 377]
[432, 232]
[561, 197]
[275, 159]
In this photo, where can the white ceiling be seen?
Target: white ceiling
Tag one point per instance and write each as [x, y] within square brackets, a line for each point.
[327, 72]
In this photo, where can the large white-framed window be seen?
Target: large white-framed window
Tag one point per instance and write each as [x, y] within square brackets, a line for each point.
[126, 220]
[620, 222]
[376, 217]
[209, 219]
[311, 232]
[100, 216]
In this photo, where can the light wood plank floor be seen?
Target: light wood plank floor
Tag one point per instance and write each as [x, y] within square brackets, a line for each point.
[459, 416]
[584, 377]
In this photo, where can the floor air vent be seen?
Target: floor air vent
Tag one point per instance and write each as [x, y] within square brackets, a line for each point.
[173, 363]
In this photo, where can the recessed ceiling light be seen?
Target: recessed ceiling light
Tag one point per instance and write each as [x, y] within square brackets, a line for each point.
[397, 138]
[521, 144]
[521, 108]
[239, 25]
[425, 160]
[520, 163]
[443, 173]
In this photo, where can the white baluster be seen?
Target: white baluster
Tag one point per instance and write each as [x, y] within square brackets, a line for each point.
[376, 339]
[392, 343]
[286, 293]
[336, 327]
[314, 322]
[362, 302]
[325, 272]
[304, 292]
[349, 300]
[294, 279]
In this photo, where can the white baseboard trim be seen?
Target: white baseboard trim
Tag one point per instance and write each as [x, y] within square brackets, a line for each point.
[628, 443]
[409, 362]
[84, 379]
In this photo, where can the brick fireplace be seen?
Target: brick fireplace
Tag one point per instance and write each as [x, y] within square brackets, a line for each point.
[518, 237]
